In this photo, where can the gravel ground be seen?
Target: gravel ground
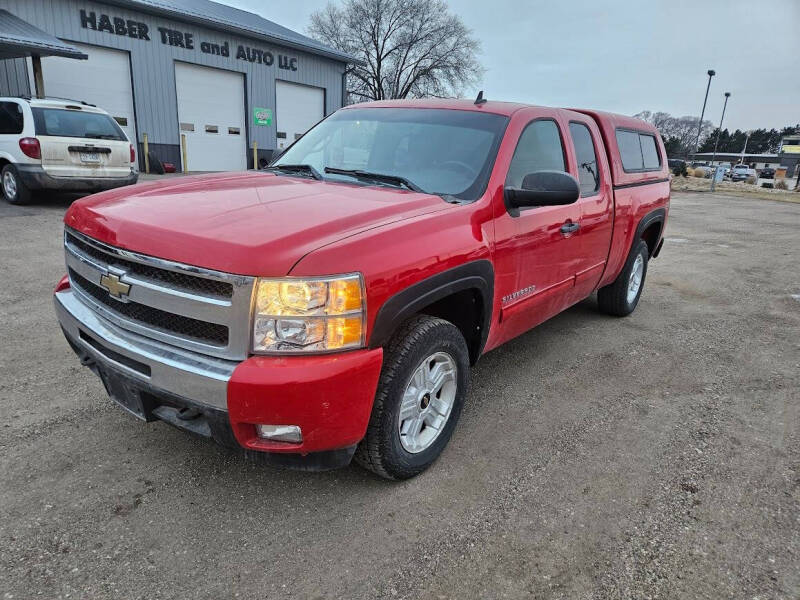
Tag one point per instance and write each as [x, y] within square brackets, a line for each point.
[656, 456]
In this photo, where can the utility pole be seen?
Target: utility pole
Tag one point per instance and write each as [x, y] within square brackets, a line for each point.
[719, 129]
[748, 133]
[711, 73]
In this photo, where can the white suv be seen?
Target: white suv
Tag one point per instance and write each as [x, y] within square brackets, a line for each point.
[61, 145]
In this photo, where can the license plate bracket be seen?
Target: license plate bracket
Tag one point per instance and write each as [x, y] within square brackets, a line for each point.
[126, 395]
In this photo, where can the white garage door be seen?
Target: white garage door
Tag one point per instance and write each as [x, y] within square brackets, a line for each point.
[211, 116]
[297, 109]
[104, 80]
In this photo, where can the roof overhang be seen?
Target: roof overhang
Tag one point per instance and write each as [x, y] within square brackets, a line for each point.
[19, 39]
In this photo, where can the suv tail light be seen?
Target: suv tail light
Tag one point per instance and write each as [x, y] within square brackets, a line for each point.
[133, 154]
[30, 147]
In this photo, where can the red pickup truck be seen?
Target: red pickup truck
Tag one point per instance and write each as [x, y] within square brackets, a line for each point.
[329, 307]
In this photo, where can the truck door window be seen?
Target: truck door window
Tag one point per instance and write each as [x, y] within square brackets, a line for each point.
[539, 149]
[588, 173]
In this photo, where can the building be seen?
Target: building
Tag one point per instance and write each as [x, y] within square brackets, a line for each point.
[789, 154]
[213, 77]
[754, 161]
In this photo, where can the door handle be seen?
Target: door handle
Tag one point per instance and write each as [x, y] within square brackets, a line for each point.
[570, 227]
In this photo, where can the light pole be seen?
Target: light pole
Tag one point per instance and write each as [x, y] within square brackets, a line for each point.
[719, 129]
[711, 73]
[748, 133]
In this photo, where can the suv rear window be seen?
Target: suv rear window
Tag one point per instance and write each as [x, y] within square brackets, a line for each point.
[638, 151]
[73, 123]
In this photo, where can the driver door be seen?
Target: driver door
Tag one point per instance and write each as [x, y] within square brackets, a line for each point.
[540, 243]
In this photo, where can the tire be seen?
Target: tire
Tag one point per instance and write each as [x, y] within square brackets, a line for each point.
[14, 190]
[422, 345]
[614, 299]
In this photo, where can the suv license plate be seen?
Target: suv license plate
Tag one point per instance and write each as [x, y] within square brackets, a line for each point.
[90, 157]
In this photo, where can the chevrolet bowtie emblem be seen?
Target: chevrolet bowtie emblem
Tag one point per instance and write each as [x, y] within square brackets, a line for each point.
[115, 287]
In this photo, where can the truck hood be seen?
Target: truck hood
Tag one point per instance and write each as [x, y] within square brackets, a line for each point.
[244, 223]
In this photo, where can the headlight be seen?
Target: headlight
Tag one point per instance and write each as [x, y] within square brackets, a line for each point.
[308, 315]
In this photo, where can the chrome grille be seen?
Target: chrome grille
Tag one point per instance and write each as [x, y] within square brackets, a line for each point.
[189, 307]
[211, 333]
[170, 278]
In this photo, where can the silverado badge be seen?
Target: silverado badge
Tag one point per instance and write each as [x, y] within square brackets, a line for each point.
[116, 288]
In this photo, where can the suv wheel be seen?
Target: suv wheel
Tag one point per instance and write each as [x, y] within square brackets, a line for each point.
[13, 189]
[421, 391]
[621, 297]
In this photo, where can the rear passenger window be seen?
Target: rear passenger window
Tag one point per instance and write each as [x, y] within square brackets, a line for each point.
[539, 149]
[650, 152]
[588, 174]
[630, 150]
[638, 151]
[10, 118]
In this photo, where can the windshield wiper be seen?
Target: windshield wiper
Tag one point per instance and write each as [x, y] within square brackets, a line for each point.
[299, 169]
[379, 177]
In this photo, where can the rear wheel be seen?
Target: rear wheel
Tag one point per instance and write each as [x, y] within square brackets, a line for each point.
[14, 190]
[421, 391]
[621, 297]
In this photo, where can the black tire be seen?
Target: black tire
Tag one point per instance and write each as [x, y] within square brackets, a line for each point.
[381, 450]
[613, 298]
[22, 193]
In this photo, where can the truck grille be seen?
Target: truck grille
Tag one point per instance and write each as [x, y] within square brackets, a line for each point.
[182, 305]
[170, 278]
[211, 333]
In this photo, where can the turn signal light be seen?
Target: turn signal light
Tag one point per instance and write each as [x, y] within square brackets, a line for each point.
[133, 154]
[30, 147]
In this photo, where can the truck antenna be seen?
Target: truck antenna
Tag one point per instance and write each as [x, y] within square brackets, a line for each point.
[480, 99]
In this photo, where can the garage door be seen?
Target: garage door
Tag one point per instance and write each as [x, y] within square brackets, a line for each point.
[211, 116]
[104, 80]
[297, 109]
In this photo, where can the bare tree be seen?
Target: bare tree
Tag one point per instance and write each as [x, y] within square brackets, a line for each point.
[410, 48]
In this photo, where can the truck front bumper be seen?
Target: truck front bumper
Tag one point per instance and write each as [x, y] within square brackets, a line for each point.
[328, 396]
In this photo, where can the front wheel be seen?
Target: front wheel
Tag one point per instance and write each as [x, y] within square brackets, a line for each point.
[621, 297]
[421, 391]
[14, 190]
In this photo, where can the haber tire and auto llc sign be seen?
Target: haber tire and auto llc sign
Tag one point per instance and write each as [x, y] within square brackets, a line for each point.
[181, 39]
[221, 79]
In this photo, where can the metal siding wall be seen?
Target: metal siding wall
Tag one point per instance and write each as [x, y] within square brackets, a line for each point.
[153, 64]
[14, 77]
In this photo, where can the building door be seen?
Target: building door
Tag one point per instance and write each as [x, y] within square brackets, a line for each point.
[297, 109]
[211, 116]
[104, 80]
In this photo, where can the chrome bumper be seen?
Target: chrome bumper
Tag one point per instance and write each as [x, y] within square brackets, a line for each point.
[203, 379]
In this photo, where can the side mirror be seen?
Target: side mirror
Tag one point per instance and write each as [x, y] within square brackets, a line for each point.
[543, 188]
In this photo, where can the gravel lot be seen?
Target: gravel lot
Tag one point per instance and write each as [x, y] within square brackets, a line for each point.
[656, 456]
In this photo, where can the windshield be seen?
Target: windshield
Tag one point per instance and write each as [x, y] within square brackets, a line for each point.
[444, 152]
[74, 123]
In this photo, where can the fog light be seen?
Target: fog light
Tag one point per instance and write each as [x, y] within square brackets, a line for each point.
[280, 433]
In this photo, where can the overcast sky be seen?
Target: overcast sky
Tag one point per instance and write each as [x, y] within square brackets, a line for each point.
[627, 55]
